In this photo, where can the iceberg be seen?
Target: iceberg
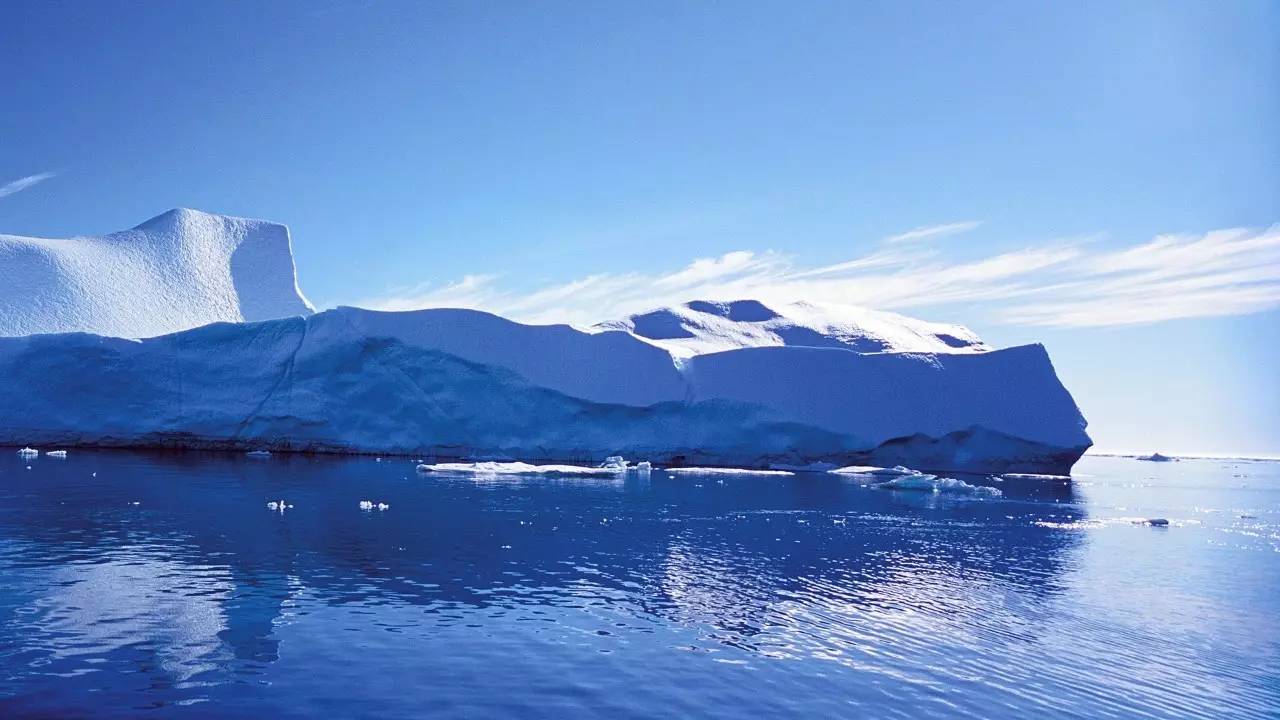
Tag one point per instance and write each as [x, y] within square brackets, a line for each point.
[740, 384]
[520, 468]
[176, 271]
[934, 484]
[723, 471]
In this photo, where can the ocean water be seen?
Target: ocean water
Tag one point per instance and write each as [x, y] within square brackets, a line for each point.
[160, 585]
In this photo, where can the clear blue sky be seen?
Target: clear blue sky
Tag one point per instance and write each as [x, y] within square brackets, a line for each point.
[411, 145]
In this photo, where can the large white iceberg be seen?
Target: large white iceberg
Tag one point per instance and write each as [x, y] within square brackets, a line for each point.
[752, 387]
[173, 272]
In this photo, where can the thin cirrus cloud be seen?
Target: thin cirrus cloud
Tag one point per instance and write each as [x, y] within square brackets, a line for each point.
[1066, 284]
[23, 183]
[934, 231]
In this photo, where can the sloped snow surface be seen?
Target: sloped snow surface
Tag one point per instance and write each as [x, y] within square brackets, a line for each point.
[176, 271]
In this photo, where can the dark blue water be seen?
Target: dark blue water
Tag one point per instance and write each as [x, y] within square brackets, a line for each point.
[160, 585]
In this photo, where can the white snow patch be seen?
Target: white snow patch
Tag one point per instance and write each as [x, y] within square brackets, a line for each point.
[176, 271]
[701, 327]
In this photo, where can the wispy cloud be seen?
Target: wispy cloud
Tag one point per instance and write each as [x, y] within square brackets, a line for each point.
[933, 231]
[1062, 283]
[23, 183]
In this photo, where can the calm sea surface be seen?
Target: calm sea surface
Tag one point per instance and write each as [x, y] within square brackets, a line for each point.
[160, 585]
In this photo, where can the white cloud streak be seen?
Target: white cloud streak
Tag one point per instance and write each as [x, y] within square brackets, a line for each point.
[934, 231]
[1065, 284]
[24, 182]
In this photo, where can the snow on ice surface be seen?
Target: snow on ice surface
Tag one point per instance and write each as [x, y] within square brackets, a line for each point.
[700, 327]
[179, 270]
[519, 468]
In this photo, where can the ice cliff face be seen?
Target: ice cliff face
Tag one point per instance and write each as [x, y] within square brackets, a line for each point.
[176, 271]
[464, 384]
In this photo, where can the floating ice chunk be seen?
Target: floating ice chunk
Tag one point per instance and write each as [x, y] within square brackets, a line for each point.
[383, 506]
[519, 468]
[894, 471]
[366, 504]
[259, 453]
[1034, 476]
[934, 484]
[27, 452]
[644, 466]
[723, 471]
[56, 453]
[273, 505]
[614, 462]
[279, 505]
[1155, 522]
[1157, 457]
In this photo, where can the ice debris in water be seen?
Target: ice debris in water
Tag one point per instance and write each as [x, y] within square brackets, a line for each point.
[27, 452]
[894, 471]
[259, 453]
[644, 466]
[371, 505]
[56, 453]
[519, 468]
[279, 505]
[614, 462]
[723, 471]
[934, 484]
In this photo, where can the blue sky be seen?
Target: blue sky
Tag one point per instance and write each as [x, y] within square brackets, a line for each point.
[1072, 172]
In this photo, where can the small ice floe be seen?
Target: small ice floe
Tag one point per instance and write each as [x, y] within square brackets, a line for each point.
[279, 505]
[518, 468]
[27, 452]
[259, 453]
[932, 483]
[644, 466]
[371, 505]
[56, 454]
[1035, 476]
[1157, 457]
[698, 471]
[614, 462]
[875, 471]
[383, 506]
[366, 504]
[1153, 522]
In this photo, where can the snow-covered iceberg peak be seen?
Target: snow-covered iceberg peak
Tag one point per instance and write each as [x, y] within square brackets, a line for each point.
[178, 270]
[702, 327]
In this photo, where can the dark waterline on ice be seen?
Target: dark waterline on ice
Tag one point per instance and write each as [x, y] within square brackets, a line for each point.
[159, 584]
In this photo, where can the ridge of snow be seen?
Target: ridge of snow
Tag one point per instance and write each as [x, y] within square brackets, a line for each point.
[181, 269]
[702, 327]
